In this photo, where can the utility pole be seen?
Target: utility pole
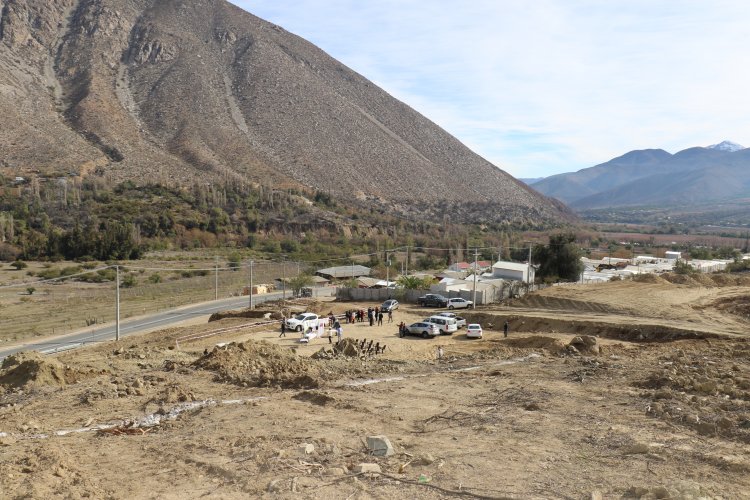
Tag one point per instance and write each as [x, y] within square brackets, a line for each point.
[283, 280]
[407, 261]
[216, 279]
[528, 271]
[474, 297]
[388, 273]
[117, 303]
[251, 285]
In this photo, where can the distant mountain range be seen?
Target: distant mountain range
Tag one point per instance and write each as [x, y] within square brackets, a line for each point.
[654, 177]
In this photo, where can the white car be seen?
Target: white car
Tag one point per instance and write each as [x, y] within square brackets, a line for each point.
[303, 322]
[446, 325]
[460, 322]
[459, 303]
[474, 331]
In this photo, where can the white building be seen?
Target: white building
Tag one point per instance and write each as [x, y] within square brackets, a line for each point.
[673, 255]
[513, 271]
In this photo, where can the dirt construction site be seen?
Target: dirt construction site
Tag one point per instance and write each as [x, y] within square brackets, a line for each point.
[631, 389]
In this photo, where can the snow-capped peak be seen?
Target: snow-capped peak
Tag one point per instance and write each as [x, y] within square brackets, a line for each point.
[727, 146]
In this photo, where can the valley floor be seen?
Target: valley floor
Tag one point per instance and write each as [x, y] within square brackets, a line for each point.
[660, 412]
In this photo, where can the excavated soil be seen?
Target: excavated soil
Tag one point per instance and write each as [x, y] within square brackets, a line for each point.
[32, 369]
[551, 411]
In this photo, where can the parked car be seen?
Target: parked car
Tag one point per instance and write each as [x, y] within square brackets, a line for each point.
[458, 303]
[389, 305]
[304, 322]
[424, 330]
[460, 322]
[432, 299]
[474, 331]
[446, 325]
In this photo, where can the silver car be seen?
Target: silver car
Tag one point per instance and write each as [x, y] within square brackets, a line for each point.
[389, 305]
[423, 329]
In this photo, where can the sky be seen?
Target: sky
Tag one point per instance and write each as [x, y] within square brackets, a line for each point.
[546, 86]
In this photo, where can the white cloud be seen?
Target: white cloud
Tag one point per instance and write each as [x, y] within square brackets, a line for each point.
[551, 85]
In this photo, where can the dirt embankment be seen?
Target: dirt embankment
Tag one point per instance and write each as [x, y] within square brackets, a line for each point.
[636, 331]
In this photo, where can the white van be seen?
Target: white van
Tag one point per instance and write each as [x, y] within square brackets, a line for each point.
[446, 325]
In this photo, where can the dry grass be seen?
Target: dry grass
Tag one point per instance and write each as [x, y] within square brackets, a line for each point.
[63, 307]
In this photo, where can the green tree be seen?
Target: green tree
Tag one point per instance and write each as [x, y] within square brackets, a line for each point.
[299, 282]
[234, 261]
[414, 282]
[560, 259]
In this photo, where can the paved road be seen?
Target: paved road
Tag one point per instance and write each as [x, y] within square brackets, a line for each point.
[140, 325]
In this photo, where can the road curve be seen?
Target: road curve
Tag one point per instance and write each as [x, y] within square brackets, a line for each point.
[138, 325]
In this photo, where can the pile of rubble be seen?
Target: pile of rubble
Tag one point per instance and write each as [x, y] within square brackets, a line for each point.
[692, 389]
[33, 369]
[351, 348]
[260, 364]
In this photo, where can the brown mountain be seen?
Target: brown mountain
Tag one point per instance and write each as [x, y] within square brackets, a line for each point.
[177, 92]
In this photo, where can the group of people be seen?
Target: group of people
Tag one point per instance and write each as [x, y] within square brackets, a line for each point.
[402, 331]
[372, 315]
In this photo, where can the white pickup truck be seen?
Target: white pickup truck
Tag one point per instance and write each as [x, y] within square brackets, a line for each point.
[305, 321]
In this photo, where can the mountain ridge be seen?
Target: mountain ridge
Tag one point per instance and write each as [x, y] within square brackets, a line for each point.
[203, 91]
[656, 177]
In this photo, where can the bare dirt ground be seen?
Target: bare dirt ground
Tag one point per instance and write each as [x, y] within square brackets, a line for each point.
[650, 402]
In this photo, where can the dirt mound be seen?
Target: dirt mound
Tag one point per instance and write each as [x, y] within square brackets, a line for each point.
[314, 397]
[31, 368]
[723, 279]
[550, 344]
[260, 364]
[648, 278]
[584, 344]
[739, 305]
[704, 280]
[680, 279]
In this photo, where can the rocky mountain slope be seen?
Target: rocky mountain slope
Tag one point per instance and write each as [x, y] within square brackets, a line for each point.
[656, 177]
[174, 92]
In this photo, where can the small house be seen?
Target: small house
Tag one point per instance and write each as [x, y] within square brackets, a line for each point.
[513, 271]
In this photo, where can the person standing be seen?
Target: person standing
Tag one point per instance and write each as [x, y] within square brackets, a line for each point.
[371, 316]
[380, 318]
[339, 331]
[505, 329]
[440, 353]
[283, 328]
[390, 315]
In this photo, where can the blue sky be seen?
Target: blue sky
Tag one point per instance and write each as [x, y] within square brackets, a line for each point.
[547, 86]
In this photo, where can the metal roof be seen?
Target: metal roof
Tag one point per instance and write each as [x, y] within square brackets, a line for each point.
[513, 266]
[345, 271]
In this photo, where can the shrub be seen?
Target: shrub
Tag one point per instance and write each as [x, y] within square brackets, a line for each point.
[19, 264]
[129, 281]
